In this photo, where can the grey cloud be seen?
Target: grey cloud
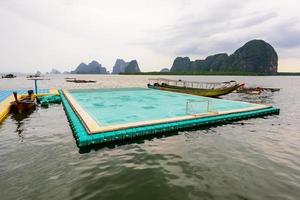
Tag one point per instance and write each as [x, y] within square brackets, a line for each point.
[154, 31]
[255, 18]
[286, 35]
[225, 34]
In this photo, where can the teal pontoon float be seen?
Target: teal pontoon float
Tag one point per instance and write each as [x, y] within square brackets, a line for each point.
[99, 116]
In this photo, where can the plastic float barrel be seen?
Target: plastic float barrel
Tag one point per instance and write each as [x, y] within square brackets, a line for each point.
[84, 139]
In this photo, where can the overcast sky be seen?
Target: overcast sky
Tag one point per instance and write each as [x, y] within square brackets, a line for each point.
[44, 34]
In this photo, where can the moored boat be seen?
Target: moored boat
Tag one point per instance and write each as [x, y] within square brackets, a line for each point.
[33, 76]
[256, 90]
[207, 89]
[9, 76]
[74, 80]
[23, 103]
[36, 75]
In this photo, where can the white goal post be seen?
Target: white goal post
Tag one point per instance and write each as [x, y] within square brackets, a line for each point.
[194, 107]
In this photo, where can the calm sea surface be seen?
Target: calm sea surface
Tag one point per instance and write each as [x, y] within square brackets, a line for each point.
[250, 159]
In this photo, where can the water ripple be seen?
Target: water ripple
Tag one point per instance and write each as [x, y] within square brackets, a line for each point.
[249, 159]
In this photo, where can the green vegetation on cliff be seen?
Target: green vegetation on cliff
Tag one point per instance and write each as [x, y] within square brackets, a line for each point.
[256, 56]
[219, 73]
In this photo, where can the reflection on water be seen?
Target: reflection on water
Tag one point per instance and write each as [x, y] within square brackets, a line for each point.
[249, 159]
[19, 118]
[136, 140]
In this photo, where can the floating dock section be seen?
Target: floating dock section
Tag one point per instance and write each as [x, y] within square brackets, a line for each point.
[108, 115]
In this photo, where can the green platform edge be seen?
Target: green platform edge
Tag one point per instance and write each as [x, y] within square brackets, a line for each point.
[84, 139]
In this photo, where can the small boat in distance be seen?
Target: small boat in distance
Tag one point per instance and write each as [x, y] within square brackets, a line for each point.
[37, 75]
[256, 90]
[9, 76]
[26, 102]
[207, 89]
[74, 80]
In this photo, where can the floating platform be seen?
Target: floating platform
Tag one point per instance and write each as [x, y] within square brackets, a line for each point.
[6, 98]
[106, 115]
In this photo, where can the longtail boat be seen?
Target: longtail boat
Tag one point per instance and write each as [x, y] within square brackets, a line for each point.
[9, 76]
[74, 80]
[207, 89]
[23, 103]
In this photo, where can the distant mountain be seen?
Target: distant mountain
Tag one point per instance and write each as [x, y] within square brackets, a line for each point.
[125, 67]
[55, 71]
[255, 56]
[92, 68]
[181, 64]
[165, 70]
[119, 66]
[38, 73]
[132, 67]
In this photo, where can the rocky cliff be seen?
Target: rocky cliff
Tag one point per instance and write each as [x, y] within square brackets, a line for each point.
[125, 67]
[132, 67]
[181, 64]
[92, 68]
[255, 56]
[55, 71]
[119, 66]
[164, 70]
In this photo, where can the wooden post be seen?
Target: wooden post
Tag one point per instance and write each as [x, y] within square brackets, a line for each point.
[35, 86]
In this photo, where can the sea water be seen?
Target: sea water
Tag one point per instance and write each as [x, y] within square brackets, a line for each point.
[257, 158]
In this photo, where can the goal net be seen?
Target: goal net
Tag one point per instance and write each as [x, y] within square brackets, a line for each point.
[194, 107]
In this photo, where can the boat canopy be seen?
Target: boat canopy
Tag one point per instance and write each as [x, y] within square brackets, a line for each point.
[193, 84]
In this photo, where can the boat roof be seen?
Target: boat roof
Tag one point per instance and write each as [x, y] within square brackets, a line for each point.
[183, 81]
